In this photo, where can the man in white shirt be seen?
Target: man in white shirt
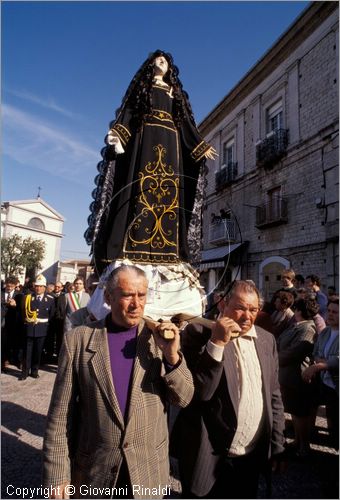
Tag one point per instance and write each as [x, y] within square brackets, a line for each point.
[235, 424]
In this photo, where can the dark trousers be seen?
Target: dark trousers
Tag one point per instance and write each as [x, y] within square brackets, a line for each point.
[330, 399]
[59, 328]
[238, 478]
[5, 350]
[34, 347]
[11, 345]
[123, 484]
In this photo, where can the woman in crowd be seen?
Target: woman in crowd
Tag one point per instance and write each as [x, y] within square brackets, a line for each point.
[326, 364]
[295, 347]
[283, 315]
[303, 293]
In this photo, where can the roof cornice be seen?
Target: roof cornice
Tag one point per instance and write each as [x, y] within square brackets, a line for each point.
[17, 203]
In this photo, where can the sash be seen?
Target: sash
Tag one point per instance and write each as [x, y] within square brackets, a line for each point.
[74, 301]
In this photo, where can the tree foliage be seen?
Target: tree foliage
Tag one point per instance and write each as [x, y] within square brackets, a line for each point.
[18, 253]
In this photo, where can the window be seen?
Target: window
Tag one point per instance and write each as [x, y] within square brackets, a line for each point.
[274, 202]
[273, 147]
[274, 117]
[36, 223]
[274, 211]
[228, 154]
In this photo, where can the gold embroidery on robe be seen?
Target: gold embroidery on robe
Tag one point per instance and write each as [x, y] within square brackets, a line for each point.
[158, 202]
[198, 152]
[122, 132]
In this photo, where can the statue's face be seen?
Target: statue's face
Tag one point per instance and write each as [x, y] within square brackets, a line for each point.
[161, 65]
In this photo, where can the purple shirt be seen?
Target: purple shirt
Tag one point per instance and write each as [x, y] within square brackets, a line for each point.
[122, 348]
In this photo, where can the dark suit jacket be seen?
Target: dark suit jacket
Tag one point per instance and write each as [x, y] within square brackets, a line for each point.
[11, 323]
[295, 347]
[204, 431]
[60, 306]
[45, 310]
[10, 314]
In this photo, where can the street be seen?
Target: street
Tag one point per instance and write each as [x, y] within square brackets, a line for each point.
[24, 409]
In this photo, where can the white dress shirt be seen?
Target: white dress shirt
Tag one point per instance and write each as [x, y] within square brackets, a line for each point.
[250, 408]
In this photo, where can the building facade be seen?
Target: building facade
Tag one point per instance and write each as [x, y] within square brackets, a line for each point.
[271, 198]
[35, 218]
[68, 270]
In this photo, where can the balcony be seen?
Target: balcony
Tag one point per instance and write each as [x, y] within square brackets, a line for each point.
[272, 149]
[226, 175]
[222, 231]
[271, 214]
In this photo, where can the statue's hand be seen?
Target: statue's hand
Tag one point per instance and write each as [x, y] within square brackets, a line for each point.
[114, 141]
[211, 153]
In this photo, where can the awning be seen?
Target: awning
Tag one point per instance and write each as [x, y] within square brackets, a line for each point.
[215, 257]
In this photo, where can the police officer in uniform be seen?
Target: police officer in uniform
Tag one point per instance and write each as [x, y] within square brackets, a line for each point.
[38, 310]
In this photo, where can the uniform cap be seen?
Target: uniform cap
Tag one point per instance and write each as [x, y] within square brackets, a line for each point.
[40, 280]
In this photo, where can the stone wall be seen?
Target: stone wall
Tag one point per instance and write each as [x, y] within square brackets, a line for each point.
[306, 83]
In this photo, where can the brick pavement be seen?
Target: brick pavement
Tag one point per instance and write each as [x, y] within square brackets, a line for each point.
[24, 408]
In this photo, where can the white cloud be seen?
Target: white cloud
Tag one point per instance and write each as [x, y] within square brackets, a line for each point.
[32, 142]
[45, 103]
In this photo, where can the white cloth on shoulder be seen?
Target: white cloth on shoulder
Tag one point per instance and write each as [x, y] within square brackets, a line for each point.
[172, 290]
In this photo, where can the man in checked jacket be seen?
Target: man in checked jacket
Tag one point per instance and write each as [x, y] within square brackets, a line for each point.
[107, 432]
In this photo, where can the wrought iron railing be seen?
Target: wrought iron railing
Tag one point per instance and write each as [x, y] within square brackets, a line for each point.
[226, 175]
[272, 213]
[272, 149]
[222, 231]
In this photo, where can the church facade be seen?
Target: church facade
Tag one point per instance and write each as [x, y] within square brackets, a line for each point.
[37, 219]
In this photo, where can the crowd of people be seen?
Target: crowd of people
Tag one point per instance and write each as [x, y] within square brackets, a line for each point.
[124, 375]
[302, 318]
[35, 316]
[232, 380]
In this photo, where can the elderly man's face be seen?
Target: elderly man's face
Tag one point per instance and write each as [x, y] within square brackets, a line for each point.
[242, 307]
[58, 287]
[128, 299]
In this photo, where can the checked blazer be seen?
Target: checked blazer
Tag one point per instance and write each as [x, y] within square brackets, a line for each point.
[86, 437]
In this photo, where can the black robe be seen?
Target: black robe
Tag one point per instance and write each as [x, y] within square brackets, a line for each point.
[147, 193]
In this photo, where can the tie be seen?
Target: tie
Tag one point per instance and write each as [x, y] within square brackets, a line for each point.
[78, 296]
[39, 298]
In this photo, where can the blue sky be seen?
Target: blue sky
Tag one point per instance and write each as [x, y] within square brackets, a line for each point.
[66, 66]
